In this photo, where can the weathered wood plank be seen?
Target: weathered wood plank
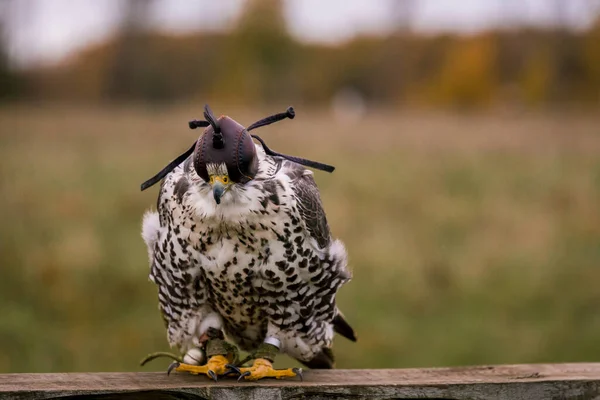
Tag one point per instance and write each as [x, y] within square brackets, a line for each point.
[527, 382]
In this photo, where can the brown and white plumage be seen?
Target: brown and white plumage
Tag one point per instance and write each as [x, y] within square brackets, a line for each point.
[260, 264]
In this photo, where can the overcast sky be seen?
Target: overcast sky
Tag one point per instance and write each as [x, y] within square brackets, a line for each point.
[47, 30]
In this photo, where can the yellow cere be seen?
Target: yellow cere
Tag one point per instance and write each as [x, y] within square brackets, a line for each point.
[224, 179]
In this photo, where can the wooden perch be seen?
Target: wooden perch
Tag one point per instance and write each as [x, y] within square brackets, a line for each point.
[506, 382]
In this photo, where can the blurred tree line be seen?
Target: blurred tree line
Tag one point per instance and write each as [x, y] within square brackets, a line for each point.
[258, 61]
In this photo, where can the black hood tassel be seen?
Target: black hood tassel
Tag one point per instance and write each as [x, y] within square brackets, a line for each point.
[218, 143]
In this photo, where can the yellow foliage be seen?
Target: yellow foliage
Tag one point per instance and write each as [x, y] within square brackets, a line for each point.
[591, 56]
[468, 75]
[537, 76]
[259, 62]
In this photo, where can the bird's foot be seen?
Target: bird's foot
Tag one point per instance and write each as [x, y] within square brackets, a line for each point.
[217, 365]
[263, 368]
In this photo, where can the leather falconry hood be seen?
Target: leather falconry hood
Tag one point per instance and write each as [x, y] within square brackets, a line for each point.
[226, 141]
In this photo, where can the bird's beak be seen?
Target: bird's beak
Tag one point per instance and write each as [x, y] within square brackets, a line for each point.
[218, 189]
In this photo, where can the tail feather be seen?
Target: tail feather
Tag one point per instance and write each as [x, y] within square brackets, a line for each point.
[341, 326]
[325, 359]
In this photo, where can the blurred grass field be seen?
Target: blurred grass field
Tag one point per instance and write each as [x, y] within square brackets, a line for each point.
[473, 239]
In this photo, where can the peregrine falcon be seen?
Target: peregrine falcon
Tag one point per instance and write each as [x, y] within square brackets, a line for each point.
[241, 252]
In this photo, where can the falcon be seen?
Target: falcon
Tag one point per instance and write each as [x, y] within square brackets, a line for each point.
[243, 256]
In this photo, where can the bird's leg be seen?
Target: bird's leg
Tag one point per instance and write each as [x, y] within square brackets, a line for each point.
[222, 357]
[263, 365]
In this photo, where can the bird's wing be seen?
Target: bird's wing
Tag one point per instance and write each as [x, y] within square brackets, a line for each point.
[174, 260]
[329, 274]
[309, 202]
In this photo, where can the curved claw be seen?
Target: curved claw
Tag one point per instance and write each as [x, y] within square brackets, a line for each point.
[242, 376]
[153, 356]
[298, 371]
[173, 365]
[212, 374]
[231, 368]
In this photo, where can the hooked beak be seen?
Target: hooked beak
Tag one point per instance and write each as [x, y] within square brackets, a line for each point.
[218, 190]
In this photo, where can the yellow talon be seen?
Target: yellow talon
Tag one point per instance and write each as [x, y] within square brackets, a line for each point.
[263, 368]
[216, 365]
